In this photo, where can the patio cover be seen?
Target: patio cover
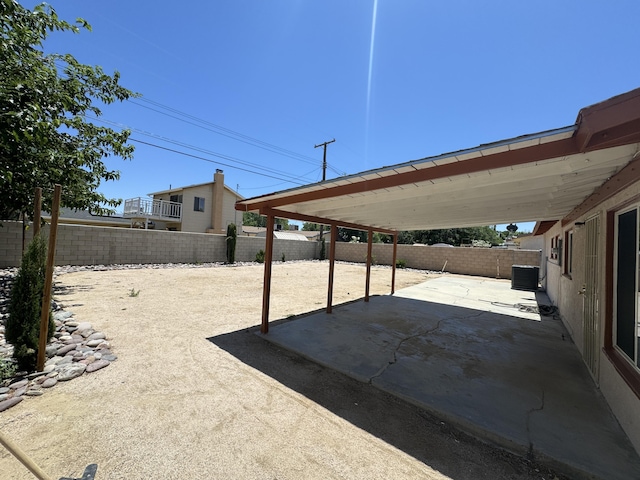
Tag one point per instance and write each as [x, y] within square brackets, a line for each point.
[545, 177]
[538, 177]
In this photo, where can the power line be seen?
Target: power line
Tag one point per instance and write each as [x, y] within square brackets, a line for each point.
[225, 132]
[202, 150]
[212, 161]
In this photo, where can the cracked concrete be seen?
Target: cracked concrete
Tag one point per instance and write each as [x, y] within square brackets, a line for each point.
[458, 348]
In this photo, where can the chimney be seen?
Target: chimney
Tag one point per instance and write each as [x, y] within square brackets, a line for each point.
[218, 198]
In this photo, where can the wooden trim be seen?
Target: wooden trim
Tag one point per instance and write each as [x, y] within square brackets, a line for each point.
[543, 227]
[629, 374]
[326, 221]
[629, 175]
[608, 278]
[393, 264]
[266, 290]
[369, 249]
[332, 261]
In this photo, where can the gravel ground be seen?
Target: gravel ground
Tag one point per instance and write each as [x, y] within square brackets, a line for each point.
[196, 394]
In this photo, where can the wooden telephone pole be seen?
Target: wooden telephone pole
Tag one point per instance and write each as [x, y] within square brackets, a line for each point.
[324, 169]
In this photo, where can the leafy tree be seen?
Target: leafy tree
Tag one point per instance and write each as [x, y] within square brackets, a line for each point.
[452, 236]
[310, 227]
[45, 137]
[347, 235]
[252, 219]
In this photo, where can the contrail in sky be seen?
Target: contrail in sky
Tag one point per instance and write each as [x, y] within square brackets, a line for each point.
[371, 47]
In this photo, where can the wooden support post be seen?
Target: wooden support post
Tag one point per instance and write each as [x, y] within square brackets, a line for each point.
[37, 208]
[48, 281]
[393, 263]
[332, 261]
[369, 248]
[266, 289]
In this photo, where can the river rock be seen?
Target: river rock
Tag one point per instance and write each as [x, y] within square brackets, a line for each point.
[4, 390]
[49, 382]
[97, 365]
[96, 336]
[66, 349]
[69, 372]
[62, 315]
[4, 405]
[94, 343]
[82, 326]
[20, 384]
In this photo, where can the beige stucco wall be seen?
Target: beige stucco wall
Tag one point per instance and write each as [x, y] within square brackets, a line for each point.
[563, 291]
[229, 213]
[197, 221]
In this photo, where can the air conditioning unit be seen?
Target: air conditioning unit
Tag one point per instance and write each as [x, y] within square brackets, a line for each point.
[524, 277]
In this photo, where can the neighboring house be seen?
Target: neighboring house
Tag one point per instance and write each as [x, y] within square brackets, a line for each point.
[202, 208]
[530, 242]
[83, 217]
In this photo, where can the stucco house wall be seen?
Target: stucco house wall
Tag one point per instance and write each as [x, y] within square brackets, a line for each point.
[565, 291]
[194, 221]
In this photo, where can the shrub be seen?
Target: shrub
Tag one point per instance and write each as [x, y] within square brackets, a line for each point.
[23, 324]
[7, 368]
[283, 258]
[323, 250]
[232, 235]
[260, 256]
[401, 263]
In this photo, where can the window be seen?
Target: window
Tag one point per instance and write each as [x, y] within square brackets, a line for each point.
[556, 246]
[175, 198]
[198, 204]
[568, 252]
[626, 336]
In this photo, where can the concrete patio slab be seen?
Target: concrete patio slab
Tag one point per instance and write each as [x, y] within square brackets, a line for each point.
[475, 353]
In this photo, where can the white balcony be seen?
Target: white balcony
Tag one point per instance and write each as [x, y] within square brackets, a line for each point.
[151, 209]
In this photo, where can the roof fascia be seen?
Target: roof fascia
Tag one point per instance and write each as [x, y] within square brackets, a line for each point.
[324, 221]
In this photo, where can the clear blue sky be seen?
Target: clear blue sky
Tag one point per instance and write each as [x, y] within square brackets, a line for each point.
[425, 78]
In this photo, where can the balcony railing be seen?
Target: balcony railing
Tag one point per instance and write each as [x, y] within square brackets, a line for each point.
[152, 209]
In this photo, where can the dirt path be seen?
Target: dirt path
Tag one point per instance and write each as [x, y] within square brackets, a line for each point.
[196, 394]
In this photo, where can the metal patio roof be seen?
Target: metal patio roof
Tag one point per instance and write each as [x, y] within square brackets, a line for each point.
[547, 176]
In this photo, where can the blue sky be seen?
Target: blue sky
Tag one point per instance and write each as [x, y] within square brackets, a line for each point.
[425, 78]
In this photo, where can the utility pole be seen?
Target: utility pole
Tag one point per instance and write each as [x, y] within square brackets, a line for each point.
[324, 169]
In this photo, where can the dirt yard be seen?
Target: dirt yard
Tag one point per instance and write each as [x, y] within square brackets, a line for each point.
[195, 393]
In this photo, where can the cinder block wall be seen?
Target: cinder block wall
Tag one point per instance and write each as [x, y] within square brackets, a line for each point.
[89, 245]
[485, 262]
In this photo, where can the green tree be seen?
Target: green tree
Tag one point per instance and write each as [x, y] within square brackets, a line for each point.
[25, 306]
[452, 236]
[252, 219]
[45, 137]
[310, 227]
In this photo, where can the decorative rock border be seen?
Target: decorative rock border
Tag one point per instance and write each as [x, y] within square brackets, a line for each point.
[76, 348]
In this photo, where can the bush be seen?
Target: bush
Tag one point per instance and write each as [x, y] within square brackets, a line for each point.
[232, 235]
[323, 250]
[401, 263]
[283, 257]
[7, 368]
[22, 327]
[260, 256]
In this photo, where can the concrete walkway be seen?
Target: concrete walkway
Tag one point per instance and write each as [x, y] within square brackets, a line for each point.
[462, 349]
